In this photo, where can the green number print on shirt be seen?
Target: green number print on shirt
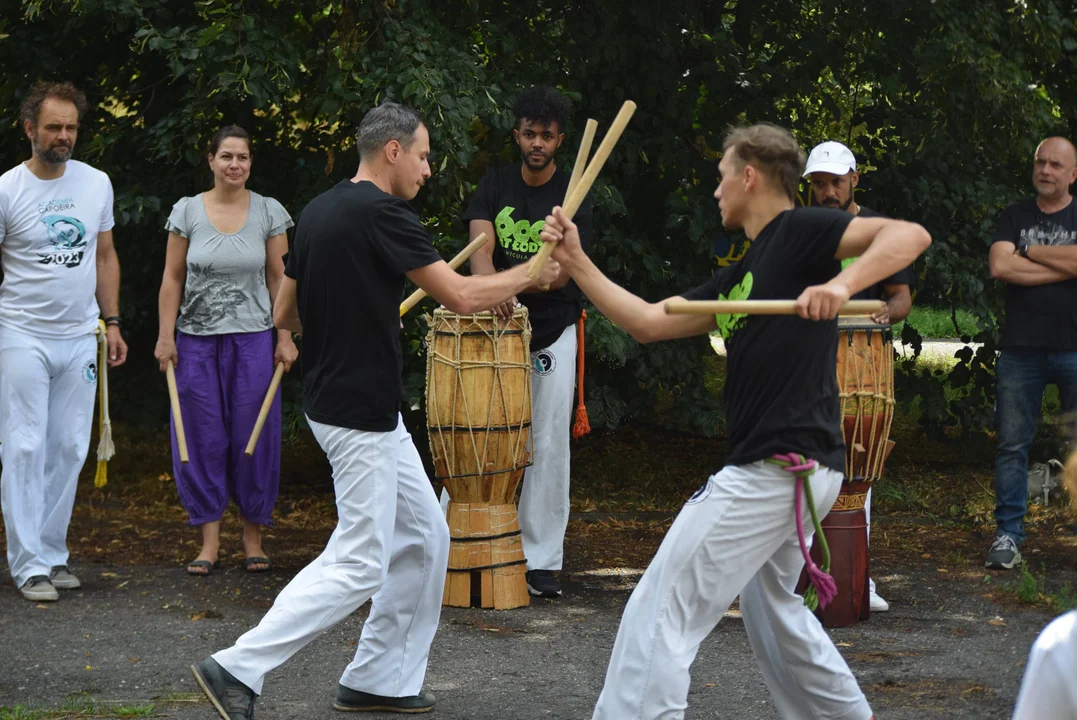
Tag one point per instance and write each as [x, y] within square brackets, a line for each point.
[519, 238]
[728, 325]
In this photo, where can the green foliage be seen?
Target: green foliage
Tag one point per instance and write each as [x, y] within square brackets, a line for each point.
[943, 102]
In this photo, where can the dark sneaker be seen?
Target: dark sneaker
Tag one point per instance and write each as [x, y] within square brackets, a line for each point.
[542, 583]
[349, 700]
[62, 579]
[39, 589]
[1003, 554]
[232, 699]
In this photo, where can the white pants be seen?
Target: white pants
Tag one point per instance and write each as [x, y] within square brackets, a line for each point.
[544, 494]
[735, 536]
[391, 544]
[47, 391]
[867, 522]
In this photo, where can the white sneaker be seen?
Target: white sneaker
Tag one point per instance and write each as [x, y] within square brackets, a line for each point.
[39, 589]
[62, 579]
[878, 604]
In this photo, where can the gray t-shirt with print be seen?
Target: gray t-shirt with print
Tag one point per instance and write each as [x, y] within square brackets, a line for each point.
[226, 288]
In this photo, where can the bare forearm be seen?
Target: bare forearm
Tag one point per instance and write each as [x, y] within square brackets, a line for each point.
[1017, 270]
[644, 321]
[273, 281]
[482, 263]
[481, 292]
[1061, 259]
[108, 284]
[895, 246]
[168, 303]
[898, 303]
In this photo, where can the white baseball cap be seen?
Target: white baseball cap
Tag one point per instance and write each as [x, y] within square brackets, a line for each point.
[830, 157]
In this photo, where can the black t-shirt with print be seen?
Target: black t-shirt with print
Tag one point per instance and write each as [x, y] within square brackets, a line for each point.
[1039, 316]
[353, 245]
[518, 212]
[781, 389]
[905, 276]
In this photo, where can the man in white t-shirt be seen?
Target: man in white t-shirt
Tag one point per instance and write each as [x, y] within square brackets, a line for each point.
[60, 270]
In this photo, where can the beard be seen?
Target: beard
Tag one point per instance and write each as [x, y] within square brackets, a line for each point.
[837, 204]
[56, 154]
[538, 162]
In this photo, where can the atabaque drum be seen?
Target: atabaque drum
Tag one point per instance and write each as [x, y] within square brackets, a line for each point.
[478, 405]
[865, 370]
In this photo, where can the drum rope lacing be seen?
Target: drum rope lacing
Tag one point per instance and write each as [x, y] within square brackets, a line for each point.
[459, 366]
[854, 371]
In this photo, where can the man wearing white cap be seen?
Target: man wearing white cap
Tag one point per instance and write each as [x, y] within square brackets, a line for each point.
[831, 170]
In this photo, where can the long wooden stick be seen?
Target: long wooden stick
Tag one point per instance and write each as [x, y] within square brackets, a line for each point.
[572, 204]
[455, 263]
[761, 307]
[589, 131]
[173, 395]
[582, 154]
[264, 412]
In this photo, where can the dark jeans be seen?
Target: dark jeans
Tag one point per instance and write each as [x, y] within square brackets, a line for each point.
[1022, 377]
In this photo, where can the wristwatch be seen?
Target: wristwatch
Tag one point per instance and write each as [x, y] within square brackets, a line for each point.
[1022, 250]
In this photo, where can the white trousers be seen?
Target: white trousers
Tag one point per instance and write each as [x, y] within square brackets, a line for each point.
[735, 536]
[867, 522]
[544, 493]
[47, 391]
[391, 544]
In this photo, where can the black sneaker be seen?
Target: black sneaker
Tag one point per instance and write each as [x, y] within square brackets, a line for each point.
[232, 699]
[1003, 554]
[542, 583]
[349, 700]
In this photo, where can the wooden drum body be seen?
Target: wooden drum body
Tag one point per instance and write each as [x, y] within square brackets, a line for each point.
[866, 388]
[478, 405]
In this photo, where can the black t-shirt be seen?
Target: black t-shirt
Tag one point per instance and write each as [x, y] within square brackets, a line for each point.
[1040, 316]
[877, 291]
[781, 389]
[518, 212]
[353, 245]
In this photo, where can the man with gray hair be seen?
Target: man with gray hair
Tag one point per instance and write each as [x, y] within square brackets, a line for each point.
[354, 247]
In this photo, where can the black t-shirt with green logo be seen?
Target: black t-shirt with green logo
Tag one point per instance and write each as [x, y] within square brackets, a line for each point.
[781, 389]
[518, 212]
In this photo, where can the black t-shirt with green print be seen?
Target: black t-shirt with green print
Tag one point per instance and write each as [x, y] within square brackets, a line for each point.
[518, 211]
[781, 389]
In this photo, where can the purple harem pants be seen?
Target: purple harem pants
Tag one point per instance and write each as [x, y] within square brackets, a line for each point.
[222, 381]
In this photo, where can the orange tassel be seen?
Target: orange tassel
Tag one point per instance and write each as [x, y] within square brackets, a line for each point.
[581, 426]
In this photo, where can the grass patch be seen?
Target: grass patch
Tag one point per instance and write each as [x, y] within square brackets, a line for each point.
[77, 709]
[1032, 590]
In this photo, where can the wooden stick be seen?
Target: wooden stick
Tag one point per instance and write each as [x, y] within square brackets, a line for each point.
[173, 395]
[572, 204]
[264, 412]
[589, 131]
[455, 263]
[761, 307]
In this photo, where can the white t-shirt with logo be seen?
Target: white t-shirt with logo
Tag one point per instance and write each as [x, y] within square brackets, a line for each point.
[1049, 689]
[48, 249]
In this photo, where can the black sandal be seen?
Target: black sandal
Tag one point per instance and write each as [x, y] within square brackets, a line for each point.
[249, 563]
[209, 566]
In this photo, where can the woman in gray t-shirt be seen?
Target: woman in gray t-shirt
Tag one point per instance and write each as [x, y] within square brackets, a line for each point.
[223, 266]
